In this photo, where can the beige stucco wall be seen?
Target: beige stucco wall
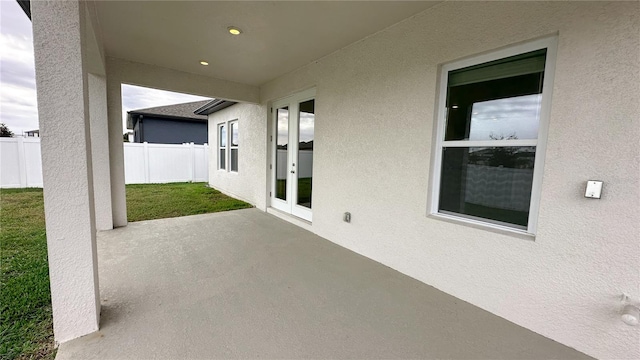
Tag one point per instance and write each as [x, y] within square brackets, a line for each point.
[374, 120]
[249, 183]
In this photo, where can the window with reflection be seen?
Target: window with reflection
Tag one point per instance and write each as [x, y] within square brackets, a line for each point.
[233, 146]
[282, 146]
[222, 146]
[492, 183]
[305, 152]
[489, 140]
[228, 146]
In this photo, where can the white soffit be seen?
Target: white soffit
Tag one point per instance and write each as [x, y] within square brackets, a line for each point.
[278, 36]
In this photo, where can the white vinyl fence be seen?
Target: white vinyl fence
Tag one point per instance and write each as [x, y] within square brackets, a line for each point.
[21, 164]
[162, 163]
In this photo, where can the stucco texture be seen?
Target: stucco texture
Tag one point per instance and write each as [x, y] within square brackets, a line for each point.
[59, 30]
[249, 183]
[375, 109]
[97, 86]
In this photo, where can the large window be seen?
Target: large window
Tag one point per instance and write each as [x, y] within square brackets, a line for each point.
[228, 146]
[492, 122]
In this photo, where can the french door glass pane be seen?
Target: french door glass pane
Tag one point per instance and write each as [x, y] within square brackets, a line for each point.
[305, 152]
[282, 146]
[488, 182]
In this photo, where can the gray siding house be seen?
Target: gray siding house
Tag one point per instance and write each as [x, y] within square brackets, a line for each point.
[172, 124]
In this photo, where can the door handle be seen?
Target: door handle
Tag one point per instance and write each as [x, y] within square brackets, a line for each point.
[293, 172]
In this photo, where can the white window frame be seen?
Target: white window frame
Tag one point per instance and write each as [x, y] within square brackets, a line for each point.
[221, 147]
[549, 43]
[229, 146]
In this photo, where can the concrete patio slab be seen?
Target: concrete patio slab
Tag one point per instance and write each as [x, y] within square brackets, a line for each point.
[245, 284]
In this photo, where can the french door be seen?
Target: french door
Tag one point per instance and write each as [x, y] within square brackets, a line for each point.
[292, 154]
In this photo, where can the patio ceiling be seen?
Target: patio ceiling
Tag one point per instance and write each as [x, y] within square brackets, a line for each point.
[278, 37]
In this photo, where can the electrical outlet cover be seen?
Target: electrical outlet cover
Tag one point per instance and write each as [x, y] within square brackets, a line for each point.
[594, 189]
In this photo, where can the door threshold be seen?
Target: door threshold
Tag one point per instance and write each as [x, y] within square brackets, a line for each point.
[307, 225]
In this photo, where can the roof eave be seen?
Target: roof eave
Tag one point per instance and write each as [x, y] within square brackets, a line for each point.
[26, 7]
[134, 113]
[213, 106]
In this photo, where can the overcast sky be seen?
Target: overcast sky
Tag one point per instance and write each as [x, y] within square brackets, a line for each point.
[18, 106]
[136, 97]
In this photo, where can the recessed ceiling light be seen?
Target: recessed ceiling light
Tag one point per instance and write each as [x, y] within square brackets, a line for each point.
[205, 63]
[454, 107]
[234, 30]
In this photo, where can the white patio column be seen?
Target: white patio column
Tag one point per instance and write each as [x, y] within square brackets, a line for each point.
[100, 151]
[63, 110]
[116, 151]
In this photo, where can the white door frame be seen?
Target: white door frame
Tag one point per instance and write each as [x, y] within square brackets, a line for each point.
[290, 205]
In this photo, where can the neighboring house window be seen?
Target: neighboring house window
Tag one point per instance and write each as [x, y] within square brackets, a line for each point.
[492, 125]
[228, 134]
[222, 146]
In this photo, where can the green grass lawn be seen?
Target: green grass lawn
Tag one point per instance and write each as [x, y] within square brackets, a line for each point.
[25, 302]
[158, 201]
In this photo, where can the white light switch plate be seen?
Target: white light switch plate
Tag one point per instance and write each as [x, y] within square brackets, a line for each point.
[594, 189]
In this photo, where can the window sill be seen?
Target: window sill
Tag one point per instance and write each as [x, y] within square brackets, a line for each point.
[504, 230]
